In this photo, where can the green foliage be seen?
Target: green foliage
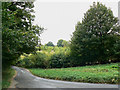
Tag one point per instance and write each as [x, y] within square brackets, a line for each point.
[59, 43]
[18, 34]
[92, 41]
[40, 60]
[49, 44]
[107, 73]
[59, 60]
[32, 60]
[7, 75]
[63, 43]
[56, 61]
[48, 57]
[117, 50]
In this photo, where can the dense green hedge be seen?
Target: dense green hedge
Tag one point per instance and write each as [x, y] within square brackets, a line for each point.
[59, 60]
[53, 57]
[32, 60]
[49, 57]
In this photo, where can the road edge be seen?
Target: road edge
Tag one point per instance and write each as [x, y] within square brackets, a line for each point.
[12, 84]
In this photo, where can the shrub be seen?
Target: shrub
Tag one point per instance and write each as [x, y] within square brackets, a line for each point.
[40, 60]
[48, 57]
[59, 60]
[33, 60]
[56, 60]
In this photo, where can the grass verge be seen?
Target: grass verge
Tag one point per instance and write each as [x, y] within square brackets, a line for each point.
[7, 75]
[107, 73]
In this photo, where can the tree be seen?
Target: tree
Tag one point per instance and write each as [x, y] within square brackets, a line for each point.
[59, 43]
[65, 43]
[93, 40]
[18, 34]
[116, 55]
[117, 50]
[50, 44]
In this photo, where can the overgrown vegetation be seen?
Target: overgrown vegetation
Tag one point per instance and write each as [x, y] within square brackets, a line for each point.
[7, 75]
[107, 73]
[48, 57]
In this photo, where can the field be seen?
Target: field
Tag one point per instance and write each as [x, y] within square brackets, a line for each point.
[107, 73]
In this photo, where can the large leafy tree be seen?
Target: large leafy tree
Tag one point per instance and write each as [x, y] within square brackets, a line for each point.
[117, 44]
[19, 35]
[93, 39]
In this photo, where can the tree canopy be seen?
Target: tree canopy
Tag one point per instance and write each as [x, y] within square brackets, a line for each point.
[49, 44]
[93, 39]
[59, 43]
[19, 35]
[63, 43]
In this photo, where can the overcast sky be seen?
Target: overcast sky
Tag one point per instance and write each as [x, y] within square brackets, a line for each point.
[60, 17]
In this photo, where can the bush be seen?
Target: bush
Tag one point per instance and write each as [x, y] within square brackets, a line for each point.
[59, 60]
[40, 60]
[48, 57]
[33, 61]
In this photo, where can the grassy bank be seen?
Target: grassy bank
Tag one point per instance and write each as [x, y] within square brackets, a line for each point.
[107, 73]
[7, 75]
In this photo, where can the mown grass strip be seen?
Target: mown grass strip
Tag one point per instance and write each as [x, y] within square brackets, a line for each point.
[107, 73]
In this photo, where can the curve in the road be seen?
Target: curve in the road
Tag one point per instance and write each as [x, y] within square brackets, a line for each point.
[24, 79]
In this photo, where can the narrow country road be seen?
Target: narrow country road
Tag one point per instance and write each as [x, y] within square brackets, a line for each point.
[24, 79]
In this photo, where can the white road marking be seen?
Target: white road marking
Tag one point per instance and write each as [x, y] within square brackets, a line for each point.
[22, 71]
